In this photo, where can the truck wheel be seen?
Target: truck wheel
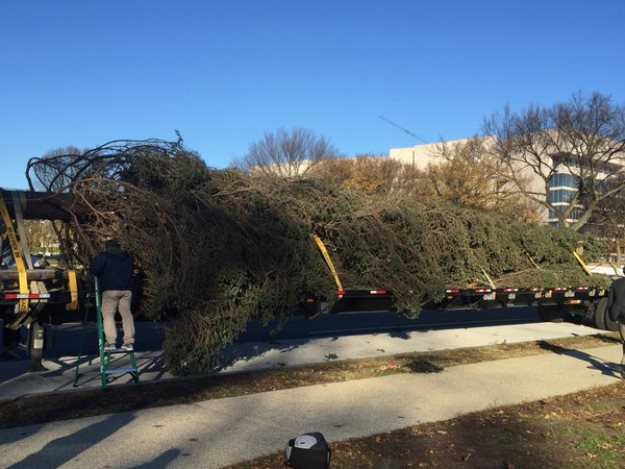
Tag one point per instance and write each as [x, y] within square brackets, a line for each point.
[600, 313]
[609, 324]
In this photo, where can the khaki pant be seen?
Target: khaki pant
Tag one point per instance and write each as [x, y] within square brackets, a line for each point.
[113, 300]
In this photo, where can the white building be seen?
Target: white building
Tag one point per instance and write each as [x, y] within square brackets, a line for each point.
[559, 185]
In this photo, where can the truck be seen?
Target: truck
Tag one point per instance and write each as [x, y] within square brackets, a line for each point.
[34, 295]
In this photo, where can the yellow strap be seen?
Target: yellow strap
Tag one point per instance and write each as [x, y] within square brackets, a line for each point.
[582, 263]
[326, 257]
[73, 290]
[35, 286]
[19, 263]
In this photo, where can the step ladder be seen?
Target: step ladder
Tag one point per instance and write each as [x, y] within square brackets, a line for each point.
[107, 372]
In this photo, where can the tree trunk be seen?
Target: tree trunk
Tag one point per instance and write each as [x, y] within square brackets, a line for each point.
[44, 205]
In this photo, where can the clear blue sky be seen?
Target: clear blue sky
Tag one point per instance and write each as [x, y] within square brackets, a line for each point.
[224, 72]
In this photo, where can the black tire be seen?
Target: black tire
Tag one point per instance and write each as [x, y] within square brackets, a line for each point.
[609, 324]
[600, 313]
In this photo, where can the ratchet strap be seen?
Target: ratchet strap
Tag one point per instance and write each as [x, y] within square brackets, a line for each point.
[17, 257]
[329, 263]
[73, 290]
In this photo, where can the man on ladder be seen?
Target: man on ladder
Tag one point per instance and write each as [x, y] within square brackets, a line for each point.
[113, 267]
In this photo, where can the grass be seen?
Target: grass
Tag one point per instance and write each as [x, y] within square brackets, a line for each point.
[581, 430]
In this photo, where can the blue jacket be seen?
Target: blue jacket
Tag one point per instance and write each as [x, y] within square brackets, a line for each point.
[113, 267]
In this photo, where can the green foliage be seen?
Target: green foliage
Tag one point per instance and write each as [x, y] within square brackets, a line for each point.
[220, 247]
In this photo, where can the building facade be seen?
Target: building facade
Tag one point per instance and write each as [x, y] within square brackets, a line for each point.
[560, 183]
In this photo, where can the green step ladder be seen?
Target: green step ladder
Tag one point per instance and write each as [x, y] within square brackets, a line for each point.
[106, 370]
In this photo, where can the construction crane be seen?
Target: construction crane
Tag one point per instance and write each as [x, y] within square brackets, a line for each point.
[403, 129]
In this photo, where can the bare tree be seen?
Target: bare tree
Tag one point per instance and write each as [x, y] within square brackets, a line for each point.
[608, 221]
[62, 157]
[286, 153]
[367, 173]
[41, 235]
[584, 138]
[465, 173]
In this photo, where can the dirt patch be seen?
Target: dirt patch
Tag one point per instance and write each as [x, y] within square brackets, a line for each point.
[581, 430]
[83, 403]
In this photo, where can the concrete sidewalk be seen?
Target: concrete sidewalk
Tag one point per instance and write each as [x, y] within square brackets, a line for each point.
[218, 432]
[15, 381]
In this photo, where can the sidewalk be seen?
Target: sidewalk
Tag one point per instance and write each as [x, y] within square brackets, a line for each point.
[218, 432]
[15, 381]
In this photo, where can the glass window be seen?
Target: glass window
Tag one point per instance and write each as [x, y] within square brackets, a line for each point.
[563, 180]
[561, 195]
[575, 214]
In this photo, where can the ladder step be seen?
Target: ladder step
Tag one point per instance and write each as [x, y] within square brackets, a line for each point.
[120, 371]
[119, 350]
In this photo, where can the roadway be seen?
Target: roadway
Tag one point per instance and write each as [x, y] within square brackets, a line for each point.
[65, 339]
[355, 323]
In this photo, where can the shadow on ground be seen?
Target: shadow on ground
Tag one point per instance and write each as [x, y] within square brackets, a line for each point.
[60, 451]
[608, 369]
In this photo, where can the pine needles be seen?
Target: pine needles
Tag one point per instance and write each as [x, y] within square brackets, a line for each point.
[219, 247]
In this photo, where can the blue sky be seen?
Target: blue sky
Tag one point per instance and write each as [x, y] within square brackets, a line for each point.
[224, 72]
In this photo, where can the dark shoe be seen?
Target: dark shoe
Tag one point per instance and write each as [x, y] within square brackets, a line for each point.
[623, 371]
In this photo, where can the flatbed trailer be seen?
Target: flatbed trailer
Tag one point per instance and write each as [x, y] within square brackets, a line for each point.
[575, 304]
[580, 304]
